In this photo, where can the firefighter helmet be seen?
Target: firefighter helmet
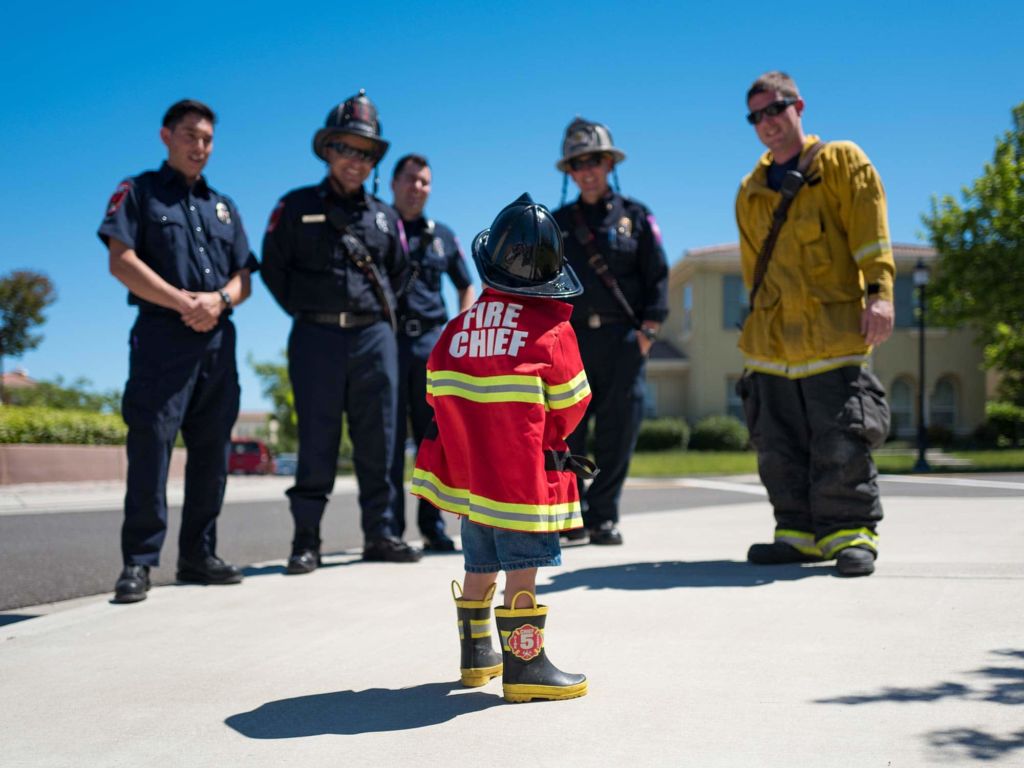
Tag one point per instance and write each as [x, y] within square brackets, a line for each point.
[356, 116]
[522, 253]
[584, 137]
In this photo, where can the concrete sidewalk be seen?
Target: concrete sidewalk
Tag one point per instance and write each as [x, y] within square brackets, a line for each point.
[694, 659]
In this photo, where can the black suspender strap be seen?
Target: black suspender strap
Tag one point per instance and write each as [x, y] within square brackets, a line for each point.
[599, 264]
[791, 185]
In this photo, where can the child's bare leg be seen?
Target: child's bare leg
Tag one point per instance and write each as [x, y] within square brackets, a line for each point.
[520, 581]
[475, 585]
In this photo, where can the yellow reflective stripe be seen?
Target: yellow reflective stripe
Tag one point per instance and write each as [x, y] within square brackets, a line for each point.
[533, 518]
[477, 629]
[802, 541]
[872, 249]
[486, 389]
[802, 370]
[568, 394]
[832, 544]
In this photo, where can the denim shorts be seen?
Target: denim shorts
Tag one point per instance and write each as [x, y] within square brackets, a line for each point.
[488, 550]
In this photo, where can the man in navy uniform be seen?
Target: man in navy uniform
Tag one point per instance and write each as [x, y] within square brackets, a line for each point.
[614, 245]
[332, 255]
[180, 249]
[433, 251]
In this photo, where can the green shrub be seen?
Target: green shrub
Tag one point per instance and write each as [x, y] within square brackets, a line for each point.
[31, 424]
[1003, 427]
[663, 435]
[719, 433]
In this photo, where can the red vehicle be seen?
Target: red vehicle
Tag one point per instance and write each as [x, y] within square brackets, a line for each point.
[250, 457]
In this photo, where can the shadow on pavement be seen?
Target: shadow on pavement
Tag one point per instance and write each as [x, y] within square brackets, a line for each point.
[1000, 685]
[14, 618]
[374, 710]
[678, 573]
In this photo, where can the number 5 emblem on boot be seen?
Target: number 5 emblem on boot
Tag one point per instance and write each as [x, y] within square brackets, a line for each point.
[525, 642]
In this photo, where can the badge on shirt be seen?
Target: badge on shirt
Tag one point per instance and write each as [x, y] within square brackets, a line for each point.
[438, 247]
[118, 197]
[382, 222]
[223, 212]
[626, 227]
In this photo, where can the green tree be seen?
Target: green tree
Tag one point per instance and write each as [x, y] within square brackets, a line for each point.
[980, 243]
[275, 385]
[77, 395]
[23, 297]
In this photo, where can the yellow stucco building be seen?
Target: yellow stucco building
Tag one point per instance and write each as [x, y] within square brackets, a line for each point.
[693, 372]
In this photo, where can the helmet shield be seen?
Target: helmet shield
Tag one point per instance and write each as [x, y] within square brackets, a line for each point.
[522, 253]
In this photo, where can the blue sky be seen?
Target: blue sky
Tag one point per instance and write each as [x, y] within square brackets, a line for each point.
[485, 91]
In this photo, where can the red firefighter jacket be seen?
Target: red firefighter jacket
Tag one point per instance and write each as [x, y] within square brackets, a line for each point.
[507, 386]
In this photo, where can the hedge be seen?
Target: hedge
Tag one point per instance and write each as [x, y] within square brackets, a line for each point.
[34, 424]
[719, 433]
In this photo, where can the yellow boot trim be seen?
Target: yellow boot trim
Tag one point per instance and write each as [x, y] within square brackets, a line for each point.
[516, 613]
[474, 678]
[459, 602]
[517, 694]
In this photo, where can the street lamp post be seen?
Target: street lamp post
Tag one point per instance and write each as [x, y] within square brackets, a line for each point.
[921, 275]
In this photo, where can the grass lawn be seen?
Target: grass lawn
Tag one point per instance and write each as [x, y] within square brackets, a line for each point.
[688, 463]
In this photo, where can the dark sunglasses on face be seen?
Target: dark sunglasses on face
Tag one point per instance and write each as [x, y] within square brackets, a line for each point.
[774, 109]
[353, 153]
[586, 161]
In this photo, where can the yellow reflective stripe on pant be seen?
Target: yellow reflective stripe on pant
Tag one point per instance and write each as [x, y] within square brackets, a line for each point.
[832, 544]
[801, 541]
[530, 518]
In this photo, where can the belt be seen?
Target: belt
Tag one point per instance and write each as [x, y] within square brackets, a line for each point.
[340, 319]
[595, 320]
[414, 327]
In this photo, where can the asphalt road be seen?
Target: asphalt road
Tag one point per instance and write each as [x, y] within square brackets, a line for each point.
[51, 556]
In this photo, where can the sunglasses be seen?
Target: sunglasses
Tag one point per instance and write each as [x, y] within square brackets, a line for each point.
[353, 153]
[586, 161]
[774, 109]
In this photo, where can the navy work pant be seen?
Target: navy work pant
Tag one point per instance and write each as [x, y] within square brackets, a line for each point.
[412, 400]
[351, 371]
[177, 379]
[615, 369]
[814, 438]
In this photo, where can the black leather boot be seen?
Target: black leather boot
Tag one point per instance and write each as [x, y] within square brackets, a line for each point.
[528, 673]
[305, 556]
[480, 662]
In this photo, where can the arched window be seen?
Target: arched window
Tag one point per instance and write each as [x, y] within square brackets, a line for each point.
[944, 404]
[901, 403]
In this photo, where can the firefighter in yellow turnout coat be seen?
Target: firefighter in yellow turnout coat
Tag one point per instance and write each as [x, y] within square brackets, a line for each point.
[813, 409]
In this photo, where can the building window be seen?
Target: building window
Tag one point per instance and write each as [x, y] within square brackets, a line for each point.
[650, 399]
[733, 402]
[905, 300]
[901, 404]
[687, 308]
[734, 302]
[943, 404]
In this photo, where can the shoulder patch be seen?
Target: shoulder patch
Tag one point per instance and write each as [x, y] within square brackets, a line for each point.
[275, 216]
[655, 229]
[117, 199]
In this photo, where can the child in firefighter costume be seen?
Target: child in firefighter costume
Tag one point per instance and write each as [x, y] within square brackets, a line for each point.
[507, 386]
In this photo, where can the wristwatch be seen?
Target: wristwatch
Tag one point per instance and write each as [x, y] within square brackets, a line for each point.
[225, 297]
[650, 333]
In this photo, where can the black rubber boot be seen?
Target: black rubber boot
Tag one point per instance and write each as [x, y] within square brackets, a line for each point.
[778, 553]
[480, 662]
[305, 556]
[529, 674]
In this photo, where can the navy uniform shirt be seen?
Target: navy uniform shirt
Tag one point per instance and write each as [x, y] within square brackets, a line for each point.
[191, 237]
[628, 237]
[307, 267]
[430, 256]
